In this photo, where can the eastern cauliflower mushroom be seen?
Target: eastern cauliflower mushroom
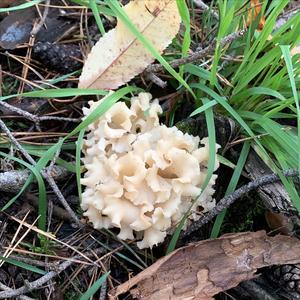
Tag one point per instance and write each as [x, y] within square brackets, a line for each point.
[142, 177]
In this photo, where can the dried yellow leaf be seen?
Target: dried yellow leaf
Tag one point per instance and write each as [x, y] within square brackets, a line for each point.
[119, 56]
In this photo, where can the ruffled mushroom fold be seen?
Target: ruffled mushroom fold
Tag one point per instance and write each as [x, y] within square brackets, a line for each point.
[142, 177]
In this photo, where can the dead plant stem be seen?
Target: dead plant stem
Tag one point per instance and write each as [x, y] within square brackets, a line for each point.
[45, 175]
[230, 199]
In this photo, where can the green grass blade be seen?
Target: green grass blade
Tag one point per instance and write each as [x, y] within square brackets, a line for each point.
[203, 107]
[102, 108]
[96, 14]
[101, 8]
[127, 247]
[78, 161]
[95, 287]
[21, 6]
[288, 60]
[185, 17]
[210, 169]
[57, 93]
[42, 210]
[225, 18]
[254, 91]
[120, 254]
[23, 265]
[231, 187]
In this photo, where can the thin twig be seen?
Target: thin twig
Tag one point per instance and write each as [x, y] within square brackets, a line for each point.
[6, 288]
[205, 7]
[197, 55]
[285, 17]
[39, 263]
[45, 175]
[29, 286]
[39, 25]
[229, 199]
[34, 118]
[33, 285]
[53, 162]
[156, 80]
[103, 291]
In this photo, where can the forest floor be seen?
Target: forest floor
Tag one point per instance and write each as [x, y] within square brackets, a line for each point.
[231, 73]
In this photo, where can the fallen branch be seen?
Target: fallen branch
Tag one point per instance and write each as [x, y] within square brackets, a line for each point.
[30, 286]
[197, 55]
[205, 7]
[13, 181]
[156, 80]
[285, 17]
[36, 284]
[34, 118]
[228, 200]
[34, 262]
[206, 268]
[45, 175]
[6, 288]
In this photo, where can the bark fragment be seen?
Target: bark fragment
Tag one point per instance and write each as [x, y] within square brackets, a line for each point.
[202, 270]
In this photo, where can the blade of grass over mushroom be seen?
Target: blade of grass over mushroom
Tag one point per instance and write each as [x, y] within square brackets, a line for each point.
[209, 117]
[21, 6]
[185, 16]
[288, 60]
[95, 287]
[117, 9]
[78, 161]
[23, 265]
[42, 198]
[96, 14]
[231, 187]
[102, 108]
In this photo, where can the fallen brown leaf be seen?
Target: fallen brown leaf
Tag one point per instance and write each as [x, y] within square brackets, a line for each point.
[202, 270]
[119, 56]
[254, 12]
[279, 223]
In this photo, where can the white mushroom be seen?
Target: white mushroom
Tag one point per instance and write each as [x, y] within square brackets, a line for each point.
[142, 177]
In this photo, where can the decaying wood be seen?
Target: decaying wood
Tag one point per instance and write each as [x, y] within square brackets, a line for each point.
[204, 269]
[13, 181]
[274, 195]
